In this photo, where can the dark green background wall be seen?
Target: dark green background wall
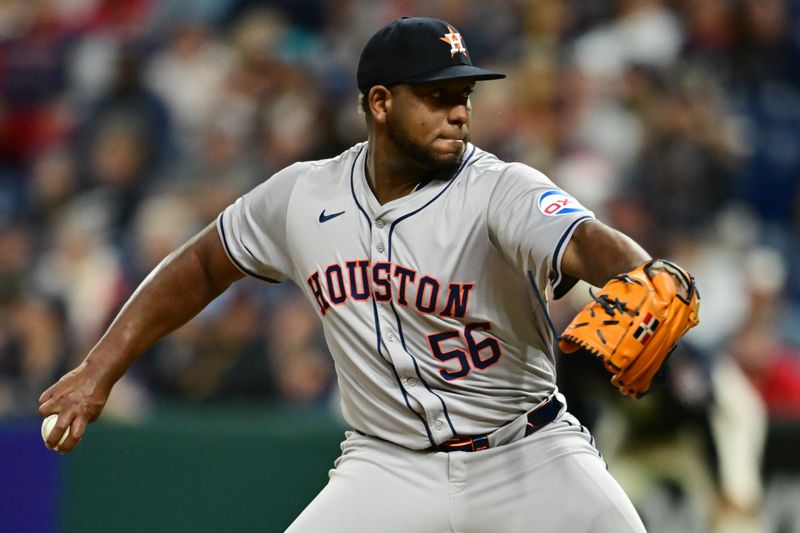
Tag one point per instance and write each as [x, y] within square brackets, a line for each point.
[231, 469]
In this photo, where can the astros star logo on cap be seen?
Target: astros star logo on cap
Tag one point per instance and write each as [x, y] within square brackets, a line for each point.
[423, 57]
[453, 38]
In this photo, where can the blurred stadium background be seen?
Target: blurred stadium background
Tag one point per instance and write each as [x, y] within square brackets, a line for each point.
[127, 125]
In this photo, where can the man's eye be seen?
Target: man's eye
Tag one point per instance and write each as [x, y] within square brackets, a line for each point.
[436, 94]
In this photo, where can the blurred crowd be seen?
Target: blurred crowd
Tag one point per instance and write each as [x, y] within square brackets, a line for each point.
[128, 125]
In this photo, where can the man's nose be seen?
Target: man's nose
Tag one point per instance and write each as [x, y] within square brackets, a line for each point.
[459, 114]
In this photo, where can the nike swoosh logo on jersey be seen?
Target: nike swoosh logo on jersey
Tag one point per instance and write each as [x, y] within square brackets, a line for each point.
[324, 218]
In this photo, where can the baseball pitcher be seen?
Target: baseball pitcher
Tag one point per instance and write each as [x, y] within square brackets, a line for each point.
[430, 263]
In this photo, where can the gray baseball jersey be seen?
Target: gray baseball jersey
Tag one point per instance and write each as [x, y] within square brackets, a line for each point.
[427, 302]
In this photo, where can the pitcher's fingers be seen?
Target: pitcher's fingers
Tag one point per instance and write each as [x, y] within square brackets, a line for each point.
[49, 407]
[63, 422]
[78, 427]
[47, 394]
[78, 424]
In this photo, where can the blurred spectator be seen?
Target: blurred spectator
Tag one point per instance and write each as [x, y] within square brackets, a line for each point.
[227, 353]
[83, 270]
[189, 75]
[32, 79]
[643, 32]
[222, 353]
[303, 369]
[773, 367]
[33, 350]
[52, 186]
[765, 87]
[768, 361]
[34, 338]
[123, 140]
[687, 163]
[163, 223]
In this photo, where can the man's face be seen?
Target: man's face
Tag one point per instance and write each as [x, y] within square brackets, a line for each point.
[429, 122]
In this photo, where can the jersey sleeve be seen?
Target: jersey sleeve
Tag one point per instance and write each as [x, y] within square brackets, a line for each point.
[531, 221]
[253, 228]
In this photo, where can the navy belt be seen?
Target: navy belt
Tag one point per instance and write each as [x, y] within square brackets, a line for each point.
[537, 419]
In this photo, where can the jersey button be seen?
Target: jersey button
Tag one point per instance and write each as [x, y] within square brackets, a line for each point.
[379, 223]
[390, 336]
[438, 425]
[379, 247]
[411, 382]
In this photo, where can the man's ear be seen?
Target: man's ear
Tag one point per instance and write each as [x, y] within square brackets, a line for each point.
[380, 102]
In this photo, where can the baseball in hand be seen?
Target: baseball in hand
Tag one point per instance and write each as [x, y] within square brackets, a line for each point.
[47, 426]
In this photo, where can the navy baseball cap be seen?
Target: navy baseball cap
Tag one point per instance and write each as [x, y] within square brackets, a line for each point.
[416, 50]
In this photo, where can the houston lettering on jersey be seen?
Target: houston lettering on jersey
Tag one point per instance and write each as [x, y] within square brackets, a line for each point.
[360, 279]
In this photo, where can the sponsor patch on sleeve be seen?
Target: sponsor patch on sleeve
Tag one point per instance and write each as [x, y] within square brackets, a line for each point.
[556, 202]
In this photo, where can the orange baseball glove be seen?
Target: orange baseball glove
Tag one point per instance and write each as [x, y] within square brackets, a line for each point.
[635, 321]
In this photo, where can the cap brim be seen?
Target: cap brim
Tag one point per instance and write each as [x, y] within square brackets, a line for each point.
[454, 72]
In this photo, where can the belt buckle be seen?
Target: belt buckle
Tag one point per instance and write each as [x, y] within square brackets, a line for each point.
[542, 415]
[480, 443]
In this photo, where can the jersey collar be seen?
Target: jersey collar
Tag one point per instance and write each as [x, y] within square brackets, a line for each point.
[405, 204]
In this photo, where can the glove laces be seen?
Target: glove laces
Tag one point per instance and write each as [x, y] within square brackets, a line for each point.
[612, 306]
